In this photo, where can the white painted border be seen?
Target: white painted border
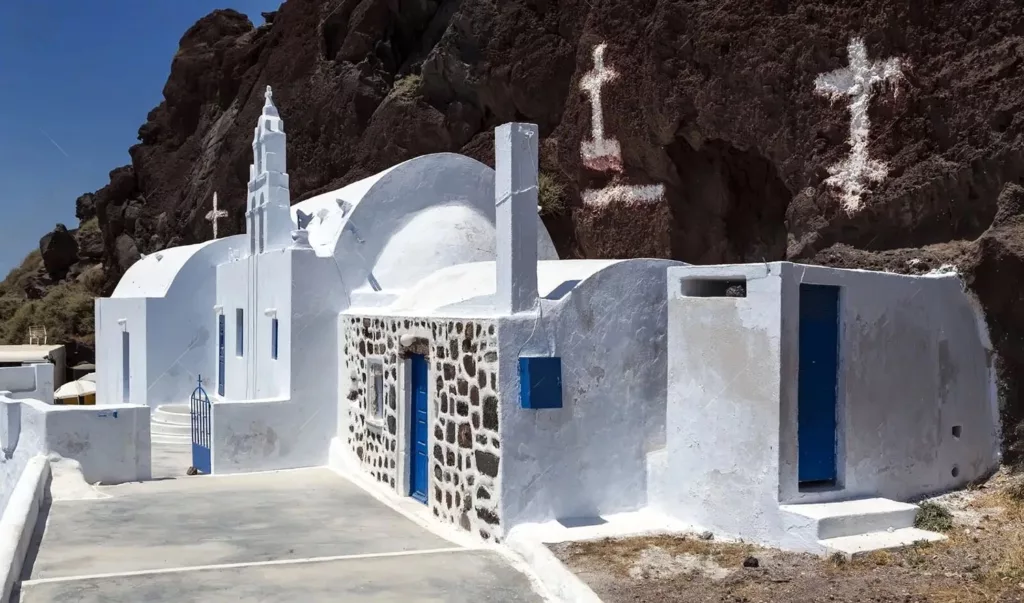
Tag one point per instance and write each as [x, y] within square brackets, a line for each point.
[558, 582]
[19, 520]
[221, 566]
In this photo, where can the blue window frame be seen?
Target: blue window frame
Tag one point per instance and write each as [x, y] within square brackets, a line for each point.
[239, 332]
[273, 339]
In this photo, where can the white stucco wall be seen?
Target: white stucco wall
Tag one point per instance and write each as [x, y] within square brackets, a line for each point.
[109, 365]
[112, 443]
[914, 361]
[589, 457]
[720, 467]
[292, 427]
[28, 381]
[256, 284]
[167, 301]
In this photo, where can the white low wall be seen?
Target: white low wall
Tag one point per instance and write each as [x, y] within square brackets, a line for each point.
[19, 519]
[267, 435]
[28, 381]
[112, 443]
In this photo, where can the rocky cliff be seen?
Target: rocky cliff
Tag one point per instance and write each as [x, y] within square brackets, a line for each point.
[730, 131]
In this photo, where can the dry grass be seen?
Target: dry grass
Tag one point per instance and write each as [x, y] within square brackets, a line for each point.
[621, 554]
[13, 284]
[982, 561]
[67, 312]
[407, 86]
[550, 196]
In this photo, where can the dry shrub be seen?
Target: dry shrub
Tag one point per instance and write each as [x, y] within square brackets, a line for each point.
[933, 517]
[66, 312]
[93, 279]
[550, 195]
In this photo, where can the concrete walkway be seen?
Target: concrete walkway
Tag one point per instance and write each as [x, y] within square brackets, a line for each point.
[306, 535]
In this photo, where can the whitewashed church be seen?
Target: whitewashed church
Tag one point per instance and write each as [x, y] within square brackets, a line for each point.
[418, 328]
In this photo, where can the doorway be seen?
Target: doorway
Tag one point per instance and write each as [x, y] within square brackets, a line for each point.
[817, 386]
[418, 449]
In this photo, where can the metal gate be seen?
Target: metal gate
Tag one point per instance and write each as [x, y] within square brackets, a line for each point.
[201, 429]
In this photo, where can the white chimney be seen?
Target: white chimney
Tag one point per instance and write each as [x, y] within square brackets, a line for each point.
[515, 200]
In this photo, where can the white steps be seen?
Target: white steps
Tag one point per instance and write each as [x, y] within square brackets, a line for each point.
[171, 424]
[853, 527]
[853, 546]
[852, 517]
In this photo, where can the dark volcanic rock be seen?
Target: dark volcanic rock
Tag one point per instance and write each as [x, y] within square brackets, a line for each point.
[126, 252]
[59, 250]
[85, 207]
[90, 244]
[714, 101]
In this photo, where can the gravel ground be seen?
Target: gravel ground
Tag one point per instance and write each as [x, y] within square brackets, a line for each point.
[982, 561]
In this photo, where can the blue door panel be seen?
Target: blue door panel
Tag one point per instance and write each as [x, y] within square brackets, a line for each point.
[817, 383]
[418, 481]
[202, 433]
[220, 355]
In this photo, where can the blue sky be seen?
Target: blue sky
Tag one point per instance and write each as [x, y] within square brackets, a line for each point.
[77, 78]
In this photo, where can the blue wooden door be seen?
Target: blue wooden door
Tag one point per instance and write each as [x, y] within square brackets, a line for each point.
[418, 409]
[817, 383]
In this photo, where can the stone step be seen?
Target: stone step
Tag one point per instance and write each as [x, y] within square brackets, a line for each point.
[853, 517]
[173, 413]
[170, 428]
[177, 440]
[861, 544]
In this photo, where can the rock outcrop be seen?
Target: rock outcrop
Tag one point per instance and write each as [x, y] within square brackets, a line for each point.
[59, 249]
[728, 141]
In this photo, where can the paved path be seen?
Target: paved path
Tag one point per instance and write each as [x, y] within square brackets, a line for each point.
[306, 535]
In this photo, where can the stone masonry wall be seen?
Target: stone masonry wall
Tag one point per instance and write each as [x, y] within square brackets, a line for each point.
[462, 359]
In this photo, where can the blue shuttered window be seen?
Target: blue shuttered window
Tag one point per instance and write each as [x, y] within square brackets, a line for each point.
[239, 333]
[273, 339]
[125, 367]
[220, 354]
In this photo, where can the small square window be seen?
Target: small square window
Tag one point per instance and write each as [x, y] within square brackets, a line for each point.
[375, 390]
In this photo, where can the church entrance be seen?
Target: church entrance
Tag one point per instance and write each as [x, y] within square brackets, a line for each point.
[419, 433]
[200, 412]
[817, 385]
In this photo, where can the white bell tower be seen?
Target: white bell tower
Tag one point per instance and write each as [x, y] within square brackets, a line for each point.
[268, 219]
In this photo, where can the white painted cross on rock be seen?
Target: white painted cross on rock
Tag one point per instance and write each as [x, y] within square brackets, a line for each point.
[599, 153]
[604, 154]
[853, 174]
[215, 214]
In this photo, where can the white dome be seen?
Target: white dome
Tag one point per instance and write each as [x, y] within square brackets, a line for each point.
[432, 239]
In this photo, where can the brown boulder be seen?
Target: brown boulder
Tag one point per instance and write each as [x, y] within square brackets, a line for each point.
[59, 250]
